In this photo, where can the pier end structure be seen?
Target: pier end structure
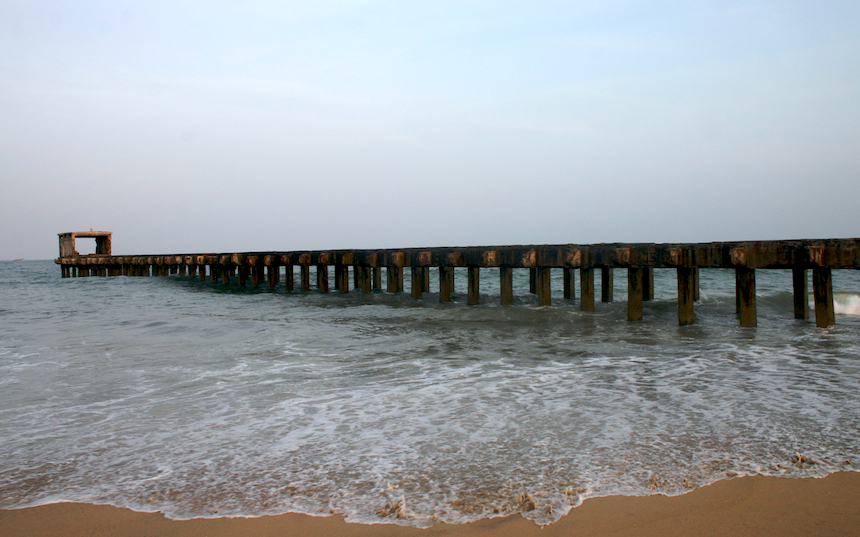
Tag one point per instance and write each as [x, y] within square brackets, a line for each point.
[68, 248]
[640, 259]
[67, 242]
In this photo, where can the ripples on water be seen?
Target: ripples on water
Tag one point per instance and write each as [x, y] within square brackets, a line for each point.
[201, 400]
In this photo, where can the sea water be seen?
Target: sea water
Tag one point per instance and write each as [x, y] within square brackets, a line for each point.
[200, 400]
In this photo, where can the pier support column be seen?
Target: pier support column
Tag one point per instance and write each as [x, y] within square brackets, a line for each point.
[569, 276]
[648, 283]
[393, 279]
[801, 292]
[256, 274]
[606, 284]
[377, 278]
[446, 283]
[506, 285]
[474, 285]
[822, 289]
[341, 278]
[367, 279]
[242, 275]
[288, 277]
[532, 281]
[201, 272]
[322, 278]
[586, 289]
[272, 275]
[358, 277]
[425, 279]
[225, 275]
[635, 292]
[542, 286]
[306, 278]
[686, 294]
[696, 284]
[745, 299]
[417, 281]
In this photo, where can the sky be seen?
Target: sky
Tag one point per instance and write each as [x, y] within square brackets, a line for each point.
[220, 127]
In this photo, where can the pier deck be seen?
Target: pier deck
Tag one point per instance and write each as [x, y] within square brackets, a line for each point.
[639, 259]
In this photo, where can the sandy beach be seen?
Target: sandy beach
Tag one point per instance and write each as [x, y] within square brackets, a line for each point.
[743, 506]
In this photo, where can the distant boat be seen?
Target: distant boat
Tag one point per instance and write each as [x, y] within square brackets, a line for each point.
[19, 260]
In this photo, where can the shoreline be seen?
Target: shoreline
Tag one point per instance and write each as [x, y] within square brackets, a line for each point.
[756, 505]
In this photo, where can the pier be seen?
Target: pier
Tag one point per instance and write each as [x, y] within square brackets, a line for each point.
[577, 261]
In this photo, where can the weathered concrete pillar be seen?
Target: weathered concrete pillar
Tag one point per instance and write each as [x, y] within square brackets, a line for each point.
[225, 275]
[822, 289]
[425, 279]
[648, 283]
[358, 277]
[446, 283]
[586, 289]
[568, 276]
[542, 286]
[417, 281]
[306, 278]
[686, 288]
[272, 273]
[289, 282]
[377, 278]
[606, 284]
[391, 279]
[322, 278]
[745, 299]
[506, 285]
[532, 280]
[256, 274]
[201, 272]
[474, 285]
[696, 284]
[635, 292]
[366, 278]
[801, 292]
[341, 277]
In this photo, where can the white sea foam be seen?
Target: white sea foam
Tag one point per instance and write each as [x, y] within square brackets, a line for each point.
[846, 304]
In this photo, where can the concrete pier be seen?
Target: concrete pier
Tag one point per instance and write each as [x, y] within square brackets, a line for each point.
[640, 259]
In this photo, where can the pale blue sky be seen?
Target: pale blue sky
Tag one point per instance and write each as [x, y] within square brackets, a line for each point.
[263, 126]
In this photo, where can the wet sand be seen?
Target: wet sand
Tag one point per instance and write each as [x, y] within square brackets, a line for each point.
[762, 506]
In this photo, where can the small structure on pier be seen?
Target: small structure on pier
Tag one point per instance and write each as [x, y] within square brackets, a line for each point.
[67, 242]
[639, 260]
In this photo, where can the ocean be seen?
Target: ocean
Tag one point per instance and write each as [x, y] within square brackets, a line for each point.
[202, 400]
